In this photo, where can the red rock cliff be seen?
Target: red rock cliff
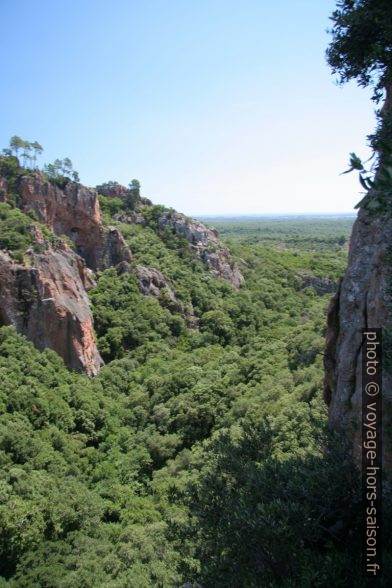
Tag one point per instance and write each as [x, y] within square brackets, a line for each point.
[46, 300]
[45, 297]
[74, 212]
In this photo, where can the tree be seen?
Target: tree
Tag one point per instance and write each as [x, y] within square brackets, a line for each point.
[58, 166]
[361, 47]
[67, 166]
[134, 187]
[30, 151]
[260, 521]
[37, 150]
[361, 50]
[61, 171]
[133, 194]
[26, 146]
[16, 143]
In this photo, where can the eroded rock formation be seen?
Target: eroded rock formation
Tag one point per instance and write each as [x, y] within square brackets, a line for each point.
[321, 286]
[203, 240]
[153, 283]
[45, 297]
[46, 300]
[74, 212]
[3, 189]
[362, 300]
[205, 244]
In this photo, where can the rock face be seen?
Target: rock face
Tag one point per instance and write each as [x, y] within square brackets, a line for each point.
[45, 297]
[113, 250]
[113, 190]
[3, 189]
[74, 212]
[153, 283]
[362, 300]
[131, 217]
[322, 286]
[205, 244]
[129, 195]
[46, 300]
[203, 241]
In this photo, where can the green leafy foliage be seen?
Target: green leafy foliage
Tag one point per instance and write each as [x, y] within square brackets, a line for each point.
[198, 453]
[361, 43]
[61, 172]
[124, 318]
[110, 206]
[293, 236]
[15, 230]
[272, 521]
[72, 479]
[30, 151]
[361, 50]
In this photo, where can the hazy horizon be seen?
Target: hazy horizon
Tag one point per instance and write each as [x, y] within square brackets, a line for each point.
[212, 106]
[277, 215]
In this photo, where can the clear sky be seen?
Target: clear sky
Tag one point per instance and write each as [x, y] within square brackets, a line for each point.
[216, 106]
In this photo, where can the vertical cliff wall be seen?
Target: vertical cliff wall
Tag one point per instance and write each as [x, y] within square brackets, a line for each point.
[362, 300]
[74, 212]
[46, 299]
[45, 295]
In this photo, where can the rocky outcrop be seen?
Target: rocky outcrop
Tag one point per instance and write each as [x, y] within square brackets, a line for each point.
[153, 283]
[46, 300]
[205, 244]
[362, 300]
[131, 217]
[3, 189]
[45, 297]
[113, 249]
[74, 212]
[204, 241]
[130, 196]
[321, 286]
[113, 190]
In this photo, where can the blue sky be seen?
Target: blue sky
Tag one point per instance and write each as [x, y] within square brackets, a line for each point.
[216, 106]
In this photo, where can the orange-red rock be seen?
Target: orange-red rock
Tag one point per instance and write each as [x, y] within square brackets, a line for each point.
[74, 212]
[46, 300]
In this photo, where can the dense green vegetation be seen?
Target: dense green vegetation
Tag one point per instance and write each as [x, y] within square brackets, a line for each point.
[305, 233]
[360, 50]
[60, 171]
[361, 44]
[16, 231]
[199, 453]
